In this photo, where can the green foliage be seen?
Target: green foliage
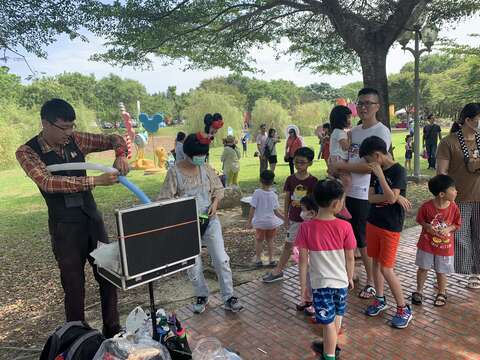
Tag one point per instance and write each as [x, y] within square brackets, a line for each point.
[321, 91]
[350, 90]
[220, 85]
[433, 64]
[310, 115]
[202, 102]
[271, 113]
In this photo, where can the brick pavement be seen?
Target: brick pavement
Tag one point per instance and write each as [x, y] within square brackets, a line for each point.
[270, 328]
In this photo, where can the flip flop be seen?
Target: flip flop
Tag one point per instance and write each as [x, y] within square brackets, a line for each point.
[303, 306]
[440, 300]
[367, 292]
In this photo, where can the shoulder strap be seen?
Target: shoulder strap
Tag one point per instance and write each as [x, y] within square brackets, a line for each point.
[79, 342]
[463, 145]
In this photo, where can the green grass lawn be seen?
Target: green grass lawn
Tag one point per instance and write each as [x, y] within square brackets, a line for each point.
[24, 214]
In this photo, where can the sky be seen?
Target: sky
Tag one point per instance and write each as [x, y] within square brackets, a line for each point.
[71, 56]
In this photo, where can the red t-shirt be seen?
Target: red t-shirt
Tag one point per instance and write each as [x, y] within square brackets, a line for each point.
[298, 189]
[438, 218]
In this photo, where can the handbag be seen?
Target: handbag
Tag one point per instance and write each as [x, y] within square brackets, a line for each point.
[203, 221]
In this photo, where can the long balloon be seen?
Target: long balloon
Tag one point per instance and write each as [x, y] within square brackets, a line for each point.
[107, 169]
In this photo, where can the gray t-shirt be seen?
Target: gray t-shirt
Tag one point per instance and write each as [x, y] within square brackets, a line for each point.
[361, 182]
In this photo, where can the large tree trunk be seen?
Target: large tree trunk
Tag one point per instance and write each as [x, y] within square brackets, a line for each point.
[373, 60]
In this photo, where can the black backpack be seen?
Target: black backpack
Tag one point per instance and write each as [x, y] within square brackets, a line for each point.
[75, 340]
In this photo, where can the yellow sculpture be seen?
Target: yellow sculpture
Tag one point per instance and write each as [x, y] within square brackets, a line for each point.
[162, 156]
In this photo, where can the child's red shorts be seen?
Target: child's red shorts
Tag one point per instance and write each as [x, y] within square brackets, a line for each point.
[382, 245]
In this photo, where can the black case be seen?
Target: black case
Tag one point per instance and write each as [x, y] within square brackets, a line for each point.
[155, 240]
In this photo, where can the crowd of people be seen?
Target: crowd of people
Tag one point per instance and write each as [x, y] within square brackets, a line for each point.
[360, 205]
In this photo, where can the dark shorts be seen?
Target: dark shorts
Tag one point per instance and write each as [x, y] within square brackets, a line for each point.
[408, 154]
[272, 159]
[329, 303]
[359, 210]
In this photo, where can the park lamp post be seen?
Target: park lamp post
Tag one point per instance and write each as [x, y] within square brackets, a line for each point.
[428, 35]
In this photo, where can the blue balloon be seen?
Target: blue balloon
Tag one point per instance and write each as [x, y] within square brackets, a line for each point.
[133, 188]
[151, 124]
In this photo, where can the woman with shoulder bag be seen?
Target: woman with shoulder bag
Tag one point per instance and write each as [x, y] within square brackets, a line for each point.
[270, 149]
[194, 177]
[458, 156]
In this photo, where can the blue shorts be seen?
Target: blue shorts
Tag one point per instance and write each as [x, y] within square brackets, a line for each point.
[329, 303]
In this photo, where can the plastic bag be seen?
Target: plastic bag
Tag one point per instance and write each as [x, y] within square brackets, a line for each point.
[107, 256]
[210, 348]
[128, 348]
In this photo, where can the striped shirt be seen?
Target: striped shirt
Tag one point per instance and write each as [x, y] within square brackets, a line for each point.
[36, 169]
[326, 242]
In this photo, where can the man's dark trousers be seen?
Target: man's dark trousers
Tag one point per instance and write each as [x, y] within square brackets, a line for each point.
[432, 154]
[72, 243]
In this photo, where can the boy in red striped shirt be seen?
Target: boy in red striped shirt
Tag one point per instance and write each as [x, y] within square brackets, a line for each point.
[327, 246]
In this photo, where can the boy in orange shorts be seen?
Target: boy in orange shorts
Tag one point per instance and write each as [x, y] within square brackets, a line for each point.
[386, 195]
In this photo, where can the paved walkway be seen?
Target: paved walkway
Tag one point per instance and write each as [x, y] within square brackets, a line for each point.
[270, 328]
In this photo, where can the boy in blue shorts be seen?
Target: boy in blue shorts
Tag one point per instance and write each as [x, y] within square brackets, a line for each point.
[326, 246]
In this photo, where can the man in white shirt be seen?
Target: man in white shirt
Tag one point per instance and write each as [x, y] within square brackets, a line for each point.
[368, 104]
[261, 140]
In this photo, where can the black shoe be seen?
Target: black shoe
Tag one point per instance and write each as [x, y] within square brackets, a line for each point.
[317, 346]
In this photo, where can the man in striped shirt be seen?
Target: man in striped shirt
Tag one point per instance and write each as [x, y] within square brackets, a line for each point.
[75, 224]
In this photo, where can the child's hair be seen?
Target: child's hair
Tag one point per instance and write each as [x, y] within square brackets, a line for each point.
[266, 177]
[271, 132]
[440, 183]
[305, 152]
[181, 136]
[339, 117]
[309, 203]
[326, 126]
[371, 145]
[326, 191]
[408, 137]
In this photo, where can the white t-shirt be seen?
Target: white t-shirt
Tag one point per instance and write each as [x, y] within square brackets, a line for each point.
[361, 182]
[335, 147]
[261, 140]
[264, 203]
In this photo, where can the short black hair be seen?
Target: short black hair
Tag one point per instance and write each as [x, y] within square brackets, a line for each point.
[57, 109]
[271, 131]
[430, 116]
[326, 191]
[368, 91]
[339, 117]
[440, 183]
[326, 126]
[192, 146]
[371, 145]
[266, 177]
[408, 137]
[305, 152]
[309, 203]
[181, 136]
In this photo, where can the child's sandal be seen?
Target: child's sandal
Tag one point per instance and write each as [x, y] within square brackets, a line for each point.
[417, 298]
[440, 300]
[303, 306]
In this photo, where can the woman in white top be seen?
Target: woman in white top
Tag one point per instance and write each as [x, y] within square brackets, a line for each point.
[265, 217]
[340, 124]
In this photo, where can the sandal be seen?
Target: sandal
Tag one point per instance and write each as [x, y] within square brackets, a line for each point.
[258, 264]
[272, 264]
[417, 298]
[367, 292]
[302, 306]
[440, 300]
[473, 282]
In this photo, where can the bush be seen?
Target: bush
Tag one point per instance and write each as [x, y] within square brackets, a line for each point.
[201, 102]
[310, 115]
[271, 113]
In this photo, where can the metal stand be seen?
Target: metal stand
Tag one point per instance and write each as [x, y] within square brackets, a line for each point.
[153, 313]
